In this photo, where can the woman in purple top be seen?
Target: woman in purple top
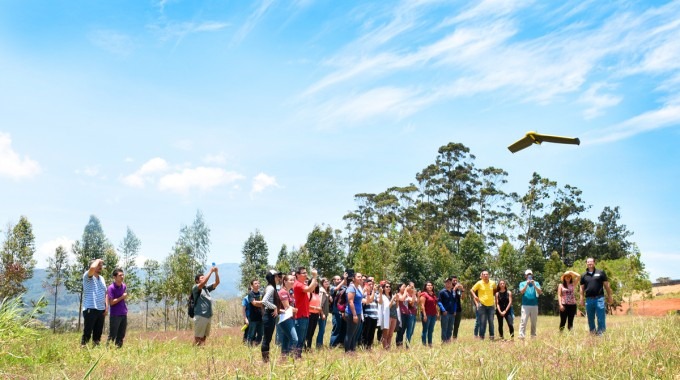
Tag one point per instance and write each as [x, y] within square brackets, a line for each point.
[117, 293]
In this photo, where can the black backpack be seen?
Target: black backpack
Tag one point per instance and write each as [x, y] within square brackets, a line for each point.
[190, 304]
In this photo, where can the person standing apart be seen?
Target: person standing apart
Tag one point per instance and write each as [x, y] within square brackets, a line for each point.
[314, 315]
[203, 305]
[530, 290]
[255, 328]
[337, 295]
[95, 303]
[593, 283]
[301, 294]
[117, 293]
[504, 308]
[485, 303]
[566, 297]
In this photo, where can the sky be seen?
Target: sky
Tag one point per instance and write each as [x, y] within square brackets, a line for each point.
[271, 115]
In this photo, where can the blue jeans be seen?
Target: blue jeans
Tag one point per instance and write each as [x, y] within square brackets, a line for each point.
[486, 314]
[596, 307]
[447, 326]
[255, 332]
[410, 323]
[288, 336]
[322, 330]
[339, 328]
[428, 329]
[301, 325]
[478, 315]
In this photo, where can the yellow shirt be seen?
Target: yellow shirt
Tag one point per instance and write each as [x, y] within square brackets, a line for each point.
[485, 292]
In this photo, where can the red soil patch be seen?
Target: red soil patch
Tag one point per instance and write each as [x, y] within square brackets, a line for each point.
[655, 307]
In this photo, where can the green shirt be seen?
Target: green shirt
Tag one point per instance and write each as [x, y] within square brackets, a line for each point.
[203, 301]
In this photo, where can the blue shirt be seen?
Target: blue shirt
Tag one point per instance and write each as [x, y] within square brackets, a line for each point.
[94, 292]
[358, 296]
[529, 298]
[446, 301]
[246, 304]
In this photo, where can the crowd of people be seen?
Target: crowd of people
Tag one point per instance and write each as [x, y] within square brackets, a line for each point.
[364, 311]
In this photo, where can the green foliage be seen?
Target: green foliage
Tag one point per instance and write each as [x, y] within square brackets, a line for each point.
[509, 265]
[57, 270]
[283, 263]
[473, 258]
[129, 250]
[255, 260]
[325, 251]
[16, 322]
[410, 261]
[16, 258]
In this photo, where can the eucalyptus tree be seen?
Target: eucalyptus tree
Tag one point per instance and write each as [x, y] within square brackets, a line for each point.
[564, 230]
[283, 263]
[151, 286]
[129, 250]
[325, 251]
[57, 267]
[533, 204]
[410, 262]
[255, 260]
[16, 258]
[611, 237]
[493, 204]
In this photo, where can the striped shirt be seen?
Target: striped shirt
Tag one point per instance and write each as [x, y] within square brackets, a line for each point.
[94, 292]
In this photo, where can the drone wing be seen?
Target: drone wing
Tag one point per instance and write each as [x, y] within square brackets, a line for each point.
[557, 139]
[522, 143]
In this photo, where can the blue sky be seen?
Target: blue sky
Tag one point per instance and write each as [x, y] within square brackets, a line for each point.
[271, 115]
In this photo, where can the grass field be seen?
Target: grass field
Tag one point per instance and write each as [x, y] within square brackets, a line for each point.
[633, 348]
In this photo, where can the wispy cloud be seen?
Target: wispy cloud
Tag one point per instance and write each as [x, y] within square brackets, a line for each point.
[47, 249]
[90, 171]
[12, 165]
[261, 182]
[177, 31]
[597, 102]
[201, 178]
[217, 159]
[145, 174]
[112, 41]
[252, 21]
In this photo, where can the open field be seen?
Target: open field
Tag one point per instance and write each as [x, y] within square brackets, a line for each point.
[633, 347]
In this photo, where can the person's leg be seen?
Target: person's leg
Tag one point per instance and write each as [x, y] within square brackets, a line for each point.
[411, 328]
[393, 326]
[370, 324]
[122, 329]
[114, 324]
[500, 319]
[269, 325]
[98, 327]
[510, 317]
[591, 307]
[571, 312]
[478, 312]
[432, 320]
[313, 319]
[350, 332]
[489, 317]
[259, 332]
[401, 329]
[483, 315]
[335, 332]
[563, 318]
[301, 326]
[88, 324]
[534, 320]
[252, 330]
[523, 322]
[322, 331]
[444, 325]
[456, 323]
[601, 316]
[423, 334]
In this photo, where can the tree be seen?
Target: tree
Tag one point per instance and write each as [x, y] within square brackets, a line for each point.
[255, 260]
[56, 272]
[473, 258]
[509, 265]
[283, 263]
[129, 250]
[410, 261]
[16, 258]
[151, 286]
[325, 251]
[610, 241]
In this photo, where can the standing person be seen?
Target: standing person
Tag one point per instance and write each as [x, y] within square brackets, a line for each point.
[301, 292]
[458, 295]
[401, 309]
[504, 309]
[325, 309]
[371, 315]
[314, 314]
[286, 324]
[246, 313]
[388, 312]
[530, 290]
[408, 311]
[428, 308]
[566, 298]
[354, 312]
[117, 293]
[255, 328]
[203, 305]
[271, 305]
[485, 303]
[339, 326]
[95, 303]
[447, 310]
[593, 283]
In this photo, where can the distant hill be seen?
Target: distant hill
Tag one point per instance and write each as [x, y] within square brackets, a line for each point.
[67, 303]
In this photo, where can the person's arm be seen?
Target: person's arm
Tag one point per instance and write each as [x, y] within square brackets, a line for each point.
[524, 289]
[421, 301]
[217, 279]
[201, 284]
[610, 295]
[312, 285]
[93, 267]
[441, 305]
[537, 285]
[350, 303]
[509, 303]
[245, 318]
[474, 296]
[559, 297]
[498, 306]
[113, 301]
[583, 294]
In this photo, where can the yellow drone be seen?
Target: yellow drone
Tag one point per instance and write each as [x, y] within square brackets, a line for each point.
[536, 138]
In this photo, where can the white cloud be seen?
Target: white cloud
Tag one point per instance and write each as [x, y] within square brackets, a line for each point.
[129, 159]
[252, 21]
[12, 165]
[46, 250]
[218, 159]
[202, 178]
[90, 171]
[179, 30]
[112, 41]
[597, 102]
[145, 173]
[261, 182]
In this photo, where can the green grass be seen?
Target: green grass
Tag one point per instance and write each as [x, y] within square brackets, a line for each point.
[633, 348]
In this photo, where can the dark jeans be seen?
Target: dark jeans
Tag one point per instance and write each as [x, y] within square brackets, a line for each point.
[509, 317]
[408, 323]
[567, 316]
[313, 321]
[269, 324]
[93, 322]
[352, 333]
[486, 318]
[339, 329]
[456, 323]
[428, 329]
[446, 322]
[368, 332]
[255, 331]
[117, 328]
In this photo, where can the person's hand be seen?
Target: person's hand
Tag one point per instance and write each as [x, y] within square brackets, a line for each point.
[583, 302]
[215, 269]
[323, 316]
[124, 296]
[314, 273]
[245, 320]
[275, 313]
[424, 317]
[106, 311]
[444, 312]
[355, 319]
[561, 307]
[502, 314]
[610, 300]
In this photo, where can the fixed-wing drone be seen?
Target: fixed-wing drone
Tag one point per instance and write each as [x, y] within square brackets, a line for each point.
[537, 138]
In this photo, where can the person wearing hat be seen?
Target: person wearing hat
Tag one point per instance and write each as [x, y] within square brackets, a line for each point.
[530, 290]
[567, 298]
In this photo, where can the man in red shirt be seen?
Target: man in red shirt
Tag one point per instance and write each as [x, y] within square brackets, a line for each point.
[301, 294]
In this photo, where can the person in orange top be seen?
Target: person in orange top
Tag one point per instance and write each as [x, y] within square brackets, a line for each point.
[314, 314]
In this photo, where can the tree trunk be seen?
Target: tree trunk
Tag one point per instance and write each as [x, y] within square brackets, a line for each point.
[54, 317]
[80, 309]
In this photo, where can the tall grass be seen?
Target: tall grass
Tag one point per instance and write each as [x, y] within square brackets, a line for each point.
[632, 348]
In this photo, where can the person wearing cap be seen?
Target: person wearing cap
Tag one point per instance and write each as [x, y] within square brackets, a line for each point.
[567, 298]
[271, 305]
[530, 290]
[483, 293]
[593, 283]
[95, 303]
[447, 310]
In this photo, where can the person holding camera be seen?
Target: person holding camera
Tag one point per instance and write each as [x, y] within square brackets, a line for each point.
[530, 290]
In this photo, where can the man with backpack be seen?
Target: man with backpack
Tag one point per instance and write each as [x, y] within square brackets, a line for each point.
[203, 305]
